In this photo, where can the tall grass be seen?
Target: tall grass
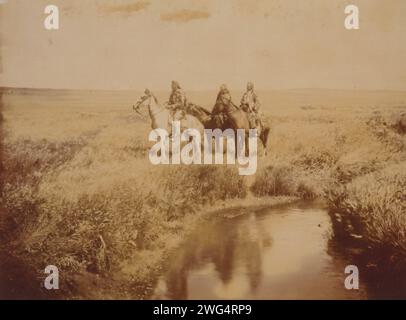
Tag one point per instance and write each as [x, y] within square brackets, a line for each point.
[79, 192]
[284, 181]
[372, 208]
[358, 166]
[54, 213]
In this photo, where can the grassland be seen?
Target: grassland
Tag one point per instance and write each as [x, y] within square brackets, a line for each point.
[78, 190]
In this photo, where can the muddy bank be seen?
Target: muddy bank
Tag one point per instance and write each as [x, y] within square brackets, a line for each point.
[18, 281]
[381, 266]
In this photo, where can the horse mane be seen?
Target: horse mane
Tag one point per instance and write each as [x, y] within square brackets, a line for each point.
[155, 98]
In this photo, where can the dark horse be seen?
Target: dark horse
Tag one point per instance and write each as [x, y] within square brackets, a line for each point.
[235, 119]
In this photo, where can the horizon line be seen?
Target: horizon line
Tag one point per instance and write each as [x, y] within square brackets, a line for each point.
[202, 90]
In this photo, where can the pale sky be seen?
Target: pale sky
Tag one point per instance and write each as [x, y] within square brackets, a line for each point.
[277, 44]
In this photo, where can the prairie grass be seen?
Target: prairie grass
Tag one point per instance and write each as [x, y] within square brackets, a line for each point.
[372, 208]
[79, 191]
[86, 197]
[356, 162]
[64, 204]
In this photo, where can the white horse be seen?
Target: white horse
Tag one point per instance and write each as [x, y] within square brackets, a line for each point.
[161, 117]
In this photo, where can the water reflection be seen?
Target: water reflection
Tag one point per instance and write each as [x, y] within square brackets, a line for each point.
[279, 253]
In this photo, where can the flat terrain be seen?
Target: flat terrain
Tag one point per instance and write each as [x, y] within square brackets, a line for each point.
[79, 188]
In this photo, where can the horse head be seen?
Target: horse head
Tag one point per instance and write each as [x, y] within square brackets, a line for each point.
[144, 100]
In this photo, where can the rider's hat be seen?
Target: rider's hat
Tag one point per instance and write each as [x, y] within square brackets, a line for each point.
[176, 84]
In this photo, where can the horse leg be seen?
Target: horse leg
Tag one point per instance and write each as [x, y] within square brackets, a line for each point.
[247, 143]
[264, 139]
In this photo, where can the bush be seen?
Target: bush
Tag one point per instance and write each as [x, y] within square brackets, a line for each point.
[284, 181]
[274, 181]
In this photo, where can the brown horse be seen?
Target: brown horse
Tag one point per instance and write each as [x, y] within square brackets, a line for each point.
[235, 119]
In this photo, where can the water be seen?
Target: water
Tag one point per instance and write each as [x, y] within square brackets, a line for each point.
[276, 253]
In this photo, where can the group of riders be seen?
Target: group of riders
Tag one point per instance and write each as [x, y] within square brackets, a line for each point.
[224, 105]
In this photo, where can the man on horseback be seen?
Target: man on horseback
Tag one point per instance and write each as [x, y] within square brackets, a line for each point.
[177, 101]
[251, 105]
[224, 105]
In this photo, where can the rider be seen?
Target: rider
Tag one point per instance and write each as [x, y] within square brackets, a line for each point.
[224, 104]
[250, 104]
[177, 100]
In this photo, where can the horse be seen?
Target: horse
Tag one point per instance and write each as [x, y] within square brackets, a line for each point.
[161, 117]
[236, 119]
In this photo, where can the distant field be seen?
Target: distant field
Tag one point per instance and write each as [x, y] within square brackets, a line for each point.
[40, 111]
[76, 171]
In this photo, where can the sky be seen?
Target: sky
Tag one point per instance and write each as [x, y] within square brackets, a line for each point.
[277, 44]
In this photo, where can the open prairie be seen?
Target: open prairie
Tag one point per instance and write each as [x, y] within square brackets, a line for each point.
[78, 188]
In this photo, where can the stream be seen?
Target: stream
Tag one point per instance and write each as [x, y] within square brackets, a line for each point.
[283, 252]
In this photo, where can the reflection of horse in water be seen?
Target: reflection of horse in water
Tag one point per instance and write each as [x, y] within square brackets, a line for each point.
[235, 119]
[225, 248]
[161, 117]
